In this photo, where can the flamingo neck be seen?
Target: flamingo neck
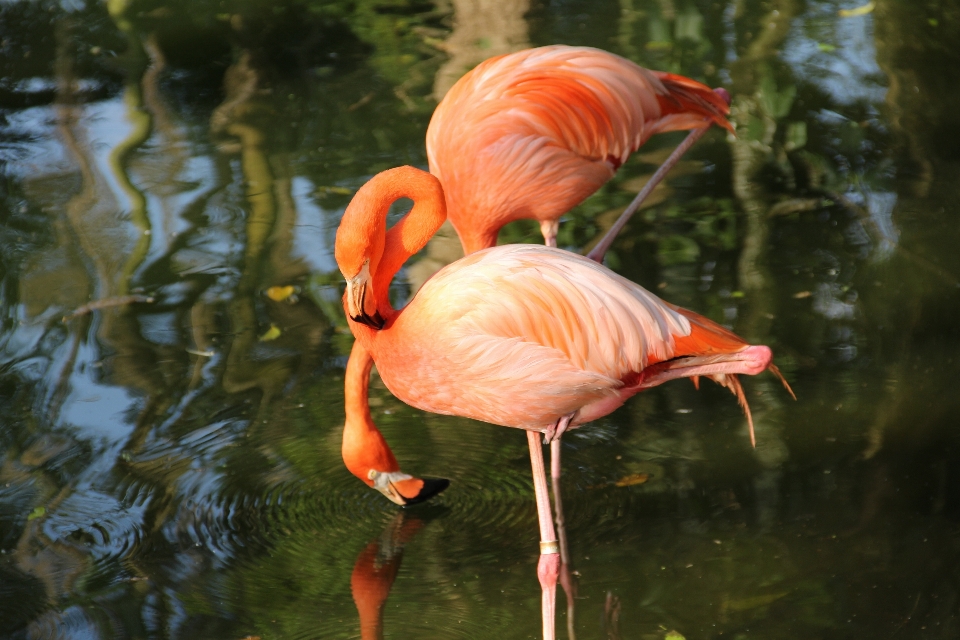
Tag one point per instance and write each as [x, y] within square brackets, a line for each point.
[411, 233]
[370, 584]
[364, 241]
[476, 239]
[364, 447]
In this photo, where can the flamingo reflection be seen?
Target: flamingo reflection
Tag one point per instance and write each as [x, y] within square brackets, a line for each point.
[376, 569]
[379, 562]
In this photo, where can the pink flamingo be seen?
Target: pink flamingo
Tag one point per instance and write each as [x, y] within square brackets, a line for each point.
[522, 336]
[531, 134]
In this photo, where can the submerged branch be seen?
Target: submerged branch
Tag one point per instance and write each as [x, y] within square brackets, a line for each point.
[106, 303]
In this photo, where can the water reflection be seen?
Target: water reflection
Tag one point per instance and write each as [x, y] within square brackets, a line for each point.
[172, 468]
[481, 29]
[375, 571]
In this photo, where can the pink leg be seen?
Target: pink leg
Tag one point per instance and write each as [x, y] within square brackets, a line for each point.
[549, 564]
[557, 502]
[549, 229]
[598, 251]
[566, 579]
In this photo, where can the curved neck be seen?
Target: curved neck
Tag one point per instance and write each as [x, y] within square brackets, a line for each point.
[409, 235]
[364, 222]
[474, 239]
[363, 446]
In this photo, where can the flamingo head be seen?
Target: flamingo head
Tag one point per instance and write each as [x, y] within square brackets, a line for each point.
[372, 462]
[367, 254]
[367, 455]
[359, 301]
[405, 490]
[358, 249]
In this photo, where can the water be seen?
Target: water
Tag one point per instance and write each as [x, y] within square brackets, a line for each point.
[171, 467]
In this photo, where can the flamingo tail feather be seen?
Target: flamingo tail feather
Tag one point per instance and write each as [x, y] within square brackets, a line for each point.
[730, 381]
[772, 368]
[690, 98]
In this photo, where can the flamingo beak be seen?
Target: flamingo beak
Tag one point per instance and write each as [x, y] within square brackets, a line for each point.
[405, 490]
[361, 307]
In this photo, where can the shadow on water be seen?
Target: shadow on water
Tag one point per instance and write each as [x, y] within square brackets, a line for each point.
[172, 344]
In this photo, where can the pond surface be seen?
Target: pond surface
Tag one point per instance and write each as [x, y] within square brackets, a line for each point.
[171, 465]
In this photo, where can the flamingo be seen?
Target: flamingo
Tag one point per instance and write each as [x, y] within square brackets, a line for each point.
[523, 336]
[531, 134]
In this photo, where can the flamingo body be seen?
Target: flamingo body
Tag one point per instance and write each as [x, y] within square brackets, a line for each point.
[521, 335]
[518, 335]
[531, 134]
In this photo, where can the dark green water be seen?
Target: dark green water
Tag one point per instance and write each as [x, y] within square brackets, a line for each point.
[171, 468]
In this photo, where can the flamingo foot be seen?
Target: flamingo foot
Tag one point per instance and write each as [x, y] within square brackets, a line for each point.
[554, 431]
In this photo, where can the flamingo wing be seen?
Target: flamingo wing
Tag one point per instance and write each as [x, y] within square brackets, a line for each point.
[519, 335]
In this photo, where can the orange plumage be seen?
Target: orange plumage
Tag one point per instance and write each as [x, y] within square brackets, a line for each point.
[523, 135]
[517, 335]
[531, 134]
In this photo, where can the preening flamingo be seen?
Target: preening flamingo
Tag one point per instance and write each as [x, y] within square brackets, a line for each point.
[531, 134]
[522, 336]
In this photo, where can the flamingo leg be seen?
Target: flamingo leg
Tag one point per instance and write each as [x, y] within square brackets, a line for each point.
[549, 563]
[600, 249]
[566, 579]
[549, 229]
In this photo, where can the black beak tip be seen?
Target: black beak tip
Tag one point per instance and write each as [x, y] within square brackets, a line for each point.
[375, 321]
[431, 487]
